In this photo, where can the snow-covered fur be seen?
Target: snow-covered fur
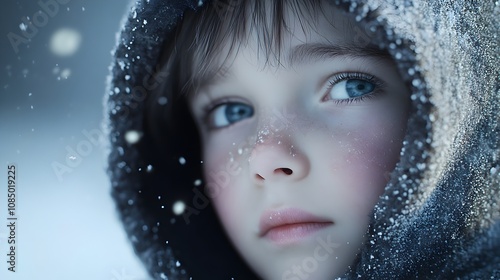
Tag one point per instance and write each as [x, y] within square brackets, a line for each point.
[439, 215]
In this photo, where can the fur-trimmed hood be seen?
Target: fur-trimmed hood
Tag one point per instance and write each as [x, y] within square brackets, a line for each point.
[439, 214]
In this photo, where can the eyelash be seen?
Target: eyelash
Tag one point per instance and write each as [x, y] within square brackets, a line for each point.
[334, 80]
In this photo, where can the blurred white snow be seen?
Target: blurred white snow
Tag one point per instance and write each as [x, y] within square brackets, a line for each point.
[65, 41]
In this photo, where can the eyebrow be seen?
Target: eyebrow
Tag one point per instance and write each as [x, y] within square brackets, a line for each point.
[308, 52]
[318, 51]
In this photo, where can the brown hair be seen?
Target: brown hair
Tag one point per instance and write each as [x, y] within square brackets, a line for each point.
[223, 26]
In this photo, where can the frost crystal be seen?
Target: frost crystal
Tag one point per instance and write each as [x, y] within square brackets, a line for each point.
[122, 64]
[121, 151]
[493, 170]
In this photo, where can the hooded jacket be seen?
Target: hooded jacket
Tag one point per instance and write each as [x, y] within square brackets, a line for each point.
[439, 216]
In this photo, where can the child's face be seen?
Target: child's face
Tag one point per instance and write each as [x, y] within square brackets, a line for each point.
[308, 144]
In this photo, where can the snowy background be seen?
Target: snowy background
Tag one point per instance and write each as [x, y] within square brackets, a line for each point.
[52, 81]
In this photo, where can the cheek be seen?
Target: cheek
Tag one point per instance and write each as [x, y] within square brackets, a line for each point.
[376, 134]
[376, 145]
[369, 151]
[222, 170]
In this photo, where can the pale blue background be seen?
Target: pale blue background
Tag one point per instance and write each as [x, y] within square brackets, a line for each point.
[67, 227]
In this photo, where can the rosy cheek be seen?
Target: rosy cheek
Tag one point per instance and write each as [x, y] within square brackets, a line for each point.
[378, 144]
[376, 135]
[369, 154]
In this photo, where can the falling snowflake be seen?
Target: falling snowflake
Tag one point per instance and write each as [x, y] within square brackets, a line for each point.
[182, 160]
[65, 42]
[178, 207]
[132, 136]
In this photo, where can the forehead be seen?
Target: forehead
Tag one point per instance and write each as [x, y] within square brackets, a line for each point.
[328, 25]
[305, 34]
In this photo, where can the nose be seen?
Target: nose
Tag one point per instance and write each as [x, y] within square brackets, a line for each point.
[274, 161]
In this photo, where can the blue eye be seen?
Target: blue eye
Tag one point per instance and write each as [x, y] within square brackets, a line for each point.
[348, 87]
[357, 87]
[351, 89]
[229, 113]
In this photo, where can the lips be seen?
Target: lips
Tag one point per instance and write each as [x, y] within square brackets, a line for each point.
[289, 225]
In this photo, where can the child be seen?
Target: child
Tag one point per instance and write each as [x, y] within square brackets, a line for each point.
[285, 140]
